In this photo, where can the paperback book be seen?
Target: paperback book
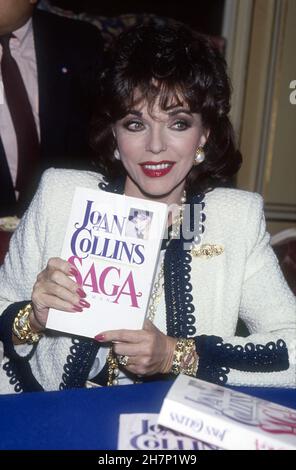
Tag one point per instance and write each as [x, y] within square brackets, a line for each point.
[113, 241]
[227, 418]
[140, 431]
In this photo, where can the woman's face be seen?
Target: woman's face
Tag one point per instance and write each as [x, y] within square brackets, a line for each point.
[158, 149]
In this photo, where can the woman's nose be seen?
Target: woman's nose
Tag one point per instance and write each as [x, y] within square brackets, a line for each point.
[156, 141]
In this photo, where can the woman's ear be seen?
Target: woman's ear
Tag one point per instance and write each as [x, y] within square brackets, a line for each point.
[204, 137]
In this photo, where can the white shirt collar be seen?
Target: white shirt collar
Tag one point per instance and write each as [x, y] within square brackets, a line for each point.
[21, 34]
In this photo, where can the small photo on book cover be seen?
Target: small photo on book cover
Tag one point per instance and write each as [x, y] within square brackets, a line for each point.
[113, 242]
[138, 224]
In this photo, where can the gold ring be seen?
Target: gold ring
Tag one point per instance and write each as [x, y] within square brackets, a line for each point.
[123, 360]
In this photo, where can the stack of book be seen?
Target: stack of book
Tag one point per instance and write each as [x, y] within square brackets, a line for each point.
[226, 418]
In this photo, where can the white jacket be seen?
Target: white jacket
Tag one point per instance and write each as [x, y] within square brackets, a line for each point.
[245, 280]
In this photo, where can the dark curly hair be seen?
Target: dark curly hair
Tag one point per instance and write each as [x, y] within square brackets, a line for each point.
[169, 63]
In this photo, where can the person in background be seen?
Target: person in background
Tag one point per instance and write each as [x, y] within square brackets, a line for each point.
[48, 65]
[161, 132]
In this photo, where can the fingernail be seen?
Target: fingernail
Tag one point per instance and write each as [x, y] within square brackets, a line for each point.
[73, 272]
[81, 293]
[84, 303]
[100, 337]
[76, 308]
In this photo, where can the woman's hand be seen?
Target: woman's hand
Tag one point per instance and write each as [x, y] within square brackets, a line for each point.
[149, 351]
[54, 289]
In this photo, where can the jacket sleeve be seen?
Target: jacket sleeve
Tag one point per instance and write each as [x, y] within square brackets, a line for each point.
[268, 307]
[24, 259]
[57, 360]
[18, 274]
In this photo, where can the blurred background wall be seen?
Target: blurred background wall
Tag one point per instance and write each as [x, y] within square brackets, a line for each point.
[267, 119]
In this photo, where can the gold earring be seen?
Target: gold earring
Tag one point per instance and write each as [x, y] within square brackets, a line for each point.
[199, 156]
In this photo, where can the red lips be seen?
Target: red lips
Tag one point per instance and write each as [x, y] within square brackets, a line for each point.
[156, 170]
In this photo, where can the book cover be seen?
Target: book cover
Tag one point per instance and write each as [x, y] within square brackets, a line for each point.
[114, 242]
[140, 431]
[227, 418]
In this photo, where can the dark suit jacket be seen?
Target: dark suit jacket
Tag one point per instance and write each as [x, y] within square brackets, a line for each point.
[69, 54]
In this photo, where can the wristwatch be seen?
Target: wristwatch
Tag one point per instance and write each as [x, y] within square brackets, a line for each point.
[22, 328]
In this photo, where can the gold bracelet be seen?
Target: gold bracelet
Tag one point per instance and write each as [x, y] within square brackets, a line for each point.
[190, 359]
[113, 370]
[185, 359]
[177, 357]
[21, 327]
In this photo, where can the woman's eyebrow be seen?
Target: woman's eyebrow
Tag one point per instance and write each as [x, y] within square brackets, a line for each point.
[170, 112]
[135, 112]
[175, 111]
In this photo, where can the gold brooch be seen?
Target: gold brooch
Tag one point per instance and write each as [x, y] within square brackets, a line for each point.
[207, 250]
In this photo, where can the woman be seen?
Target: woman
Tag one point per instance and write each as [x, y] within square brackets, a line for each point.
[162, 128]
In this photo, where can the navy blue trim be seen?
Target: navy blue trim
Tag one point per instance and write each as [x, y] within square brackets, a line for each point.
[17, 368]
[177, 280]
[6, 323]
[116, 186]
[12, 375]
[216, 358]
[79, 362]
[178, 288]
[84, 350]
[21, 376]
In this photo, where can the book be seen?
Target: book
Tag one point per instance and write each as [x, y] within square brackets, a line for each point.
[140, 431]
[227, 418]
[113, 241]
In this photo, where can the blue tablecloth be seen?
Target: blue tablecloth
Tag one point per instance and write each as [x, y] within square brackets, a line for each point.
[88, 418]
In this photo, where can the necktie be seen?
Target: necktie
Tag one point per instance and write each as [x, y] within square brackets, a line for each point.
[23, 121]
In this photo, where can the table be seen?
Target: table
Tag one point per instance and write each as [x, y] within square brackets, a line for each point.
[88, 418]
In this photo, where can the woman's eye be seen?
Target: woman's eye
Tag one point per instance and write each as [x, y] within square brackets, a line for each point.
[133, 125]
[180, 125]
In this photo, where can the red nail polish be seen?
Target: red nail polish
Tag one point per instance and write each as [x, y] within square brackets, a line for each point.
[84, 303]
[81, 293]
[73, 272]
[100, 337]
[76, 308]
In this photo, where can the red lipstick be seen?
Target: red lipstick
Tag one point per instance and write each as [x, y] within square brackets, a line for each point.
[156, 170]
